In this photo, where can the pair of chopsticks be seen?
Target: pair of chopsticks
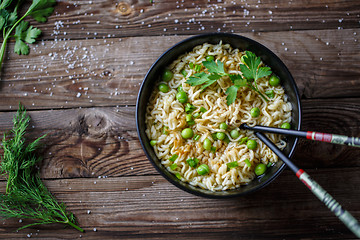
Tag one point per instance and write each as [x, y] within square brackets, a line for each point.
[315, 188]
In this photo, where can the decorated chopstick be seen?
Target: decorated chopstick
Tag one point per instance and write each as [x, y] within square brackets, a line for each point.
[315, 188]
[317, 136]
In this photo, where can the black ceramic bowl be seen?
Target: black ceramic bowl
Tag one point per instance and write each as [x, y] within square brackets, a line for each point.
[236, 41]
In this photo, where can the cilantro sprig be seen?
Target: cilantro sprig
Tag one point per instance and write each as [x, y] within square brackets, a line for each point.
[251, 72]
[24, 34]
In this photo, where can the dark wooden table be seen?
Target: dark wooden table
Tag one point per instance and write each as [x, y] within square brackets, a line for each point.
[80, 84]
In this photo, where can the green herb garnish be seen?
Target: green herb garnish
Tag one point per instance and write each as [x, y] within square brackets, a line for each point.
[40, 10]
[26, 196]
[193, 162]
[248, 163]
[189, 108]
[173, 158]
[270, 93]
[203, 110]
[243, 140]
[231, 165]
[184, 73]
[196, 137]
[173, 166]
[251, 72]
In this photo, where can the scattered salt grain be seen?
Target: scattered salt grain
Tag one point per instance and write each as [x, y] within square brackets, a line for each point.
[78, 95]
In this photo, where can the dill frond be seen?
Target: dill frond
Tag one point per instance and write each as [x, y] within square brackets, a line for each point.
[26, 196]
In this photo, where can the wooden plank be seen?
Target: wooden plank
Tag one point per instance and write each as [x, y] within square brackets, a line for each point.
[103, 141]
[108, 72]
[149, 207]
[100, 18]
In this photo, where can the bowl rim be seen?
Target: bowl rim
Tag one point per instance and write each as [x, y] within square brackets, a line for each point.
[200, 193]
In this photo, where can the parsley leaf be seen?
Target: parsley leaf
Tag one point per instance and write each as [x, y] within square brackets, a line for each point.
[238, 80]
[231, 94]
[40, 10]
[251, 71]
[198, 79]
[24, 34]
[4, 15]
[213, 67]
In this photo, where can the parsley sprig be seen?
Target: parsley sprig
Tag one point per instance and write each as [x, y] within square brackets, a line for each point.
[251, 72]
[26, 196]
[40, 10]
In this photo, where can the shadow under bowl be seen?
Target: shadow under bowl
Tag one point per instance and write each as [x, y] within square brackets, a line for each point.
[242, 43]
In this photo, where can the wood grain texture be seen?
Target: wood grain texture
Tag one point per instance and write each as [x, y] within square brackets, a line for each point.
[80, 84]
[108, 72]
[93, 142]
[149, 207]
[102, 18]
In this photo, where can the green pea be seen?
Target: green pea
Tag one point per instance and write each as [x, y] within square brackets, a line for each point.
[260, 169]
[286, 125]
[182, 97]
[153, 142]
[274, 81]
[209, 58]
[251, 144]
[164, 88]
[207, 144]
[223, 126]
[187, 133]
[220, 135]
[203, 169]
[180, 88]
[255, 112]
[167, 75]
[234, 134]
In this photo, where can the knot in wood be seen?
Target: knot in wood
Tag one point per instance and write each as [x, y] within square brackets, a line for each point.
[123, 8]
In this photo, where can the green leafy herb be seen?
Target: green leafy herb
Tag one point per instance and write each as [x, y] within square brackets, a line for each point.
[231, 165]
[184, 73]
[248, 163]
[196, 115]
[40, 10]
[26, 196]
[270, 93]
[189, 108]
[178, 175]
[197, 68]
[193, 162]
[243, 140]
[173, 157]
[251, 72]
[203, 110]
[165, 130]
[173, 166]
[196, 137]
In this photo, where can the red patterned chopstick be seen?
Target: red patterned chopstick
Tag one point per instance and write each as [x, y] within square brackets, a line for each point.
[315, 188]
[316, 136]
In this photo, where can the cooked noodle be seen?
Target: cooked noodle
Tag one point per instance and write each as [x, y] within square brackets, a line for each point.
[164, 110]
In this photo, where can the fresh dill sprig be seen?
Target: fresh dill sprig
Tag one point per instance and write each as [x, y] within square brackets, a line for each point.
[26, 196]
